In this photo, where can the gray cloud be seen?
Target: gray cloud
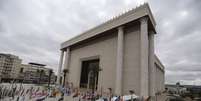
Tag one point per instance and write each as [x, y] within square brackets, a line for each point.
[178, 39]
[34, 29]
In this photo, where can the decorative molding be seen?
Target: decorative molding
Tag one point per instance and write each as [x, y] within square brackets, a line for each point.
[129, 16]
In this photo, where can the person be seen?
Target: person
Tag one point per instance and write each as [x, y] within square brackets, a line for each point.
[14, 87]
[30, 92]
[133, 96]
[35, 93]
[50, 92]
[109, 94]
[54, 93]
[76, 93]
[5, 92]
[22, 95]
[42, 96]
[62, 97]
[97, 95]
[67, 90]
[19, 91]
[147, 98]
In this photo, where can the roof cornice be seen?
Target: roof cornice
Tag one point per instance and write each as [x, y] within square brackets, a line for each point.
[157, 60]
[132, 15]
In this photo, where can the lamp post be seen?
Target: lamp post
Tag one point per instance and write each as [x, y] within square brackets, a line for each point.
[49, 77]
[64, 72]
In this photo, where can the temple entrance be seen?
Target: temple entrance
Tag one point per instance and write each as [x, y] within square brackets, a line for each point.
[89, 74]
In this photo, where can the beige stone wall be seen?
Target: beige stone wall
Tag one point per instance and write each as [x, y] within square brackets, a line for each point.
[105, 48]
[160, 79]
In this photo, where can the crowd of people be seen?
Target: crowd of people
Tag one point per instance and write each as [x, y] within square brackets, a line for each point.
[70, 93]
[20, 92]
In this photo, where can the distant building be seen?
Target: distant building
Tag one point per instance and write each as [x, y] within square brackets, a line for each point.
[182, 89]
[36, 73]
[9, 67]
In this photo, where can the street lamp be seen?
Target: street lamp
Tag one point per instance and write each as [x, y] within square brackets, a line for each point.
[64, 72]
[49, 77]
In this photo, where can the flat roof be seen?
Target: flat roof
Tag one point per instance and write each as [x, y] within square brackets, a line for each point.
[132, 15]
[37, 64]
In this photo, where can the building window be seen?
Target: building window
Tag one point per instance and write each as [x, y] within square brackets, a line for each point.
[21, 70]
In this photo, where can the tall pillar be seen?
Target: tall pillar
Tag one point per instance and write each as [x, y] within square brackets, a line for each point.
[119, 62]
[66, 63]
[144, 57]
[152, 70]
[60, 67]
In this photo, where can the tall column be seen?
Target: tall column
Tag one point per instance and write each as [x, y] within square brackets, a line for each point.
[119, 63]
[66, 63]
[152, 71]
[60, 67]
[144, 56]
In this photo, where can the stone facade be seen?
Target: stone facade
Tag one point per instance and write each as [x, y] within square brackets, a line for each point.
[9, 66]
[36, 73]
[125, 49]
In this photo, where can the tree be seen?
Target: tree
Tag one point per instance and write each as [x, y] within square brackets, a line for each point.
[178, 83]
[37, 76]
[40, 75]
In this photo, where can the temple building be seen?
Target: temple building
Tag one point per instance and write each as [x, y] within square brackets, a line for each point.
[117, 54]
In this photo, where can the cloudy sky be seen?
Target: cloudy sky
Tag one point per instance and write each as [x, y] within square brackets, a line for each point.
[34, 29]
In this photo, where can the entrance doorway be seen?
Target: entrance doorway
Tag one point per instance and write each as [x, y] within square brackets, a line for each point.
[89, 74]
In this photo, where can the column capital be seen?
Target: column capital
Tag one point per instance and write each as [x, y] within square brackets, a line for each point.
[151, 32]
[67, 55]
[61, 53]
[120, 27]
[144, 20]
[67, 49]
